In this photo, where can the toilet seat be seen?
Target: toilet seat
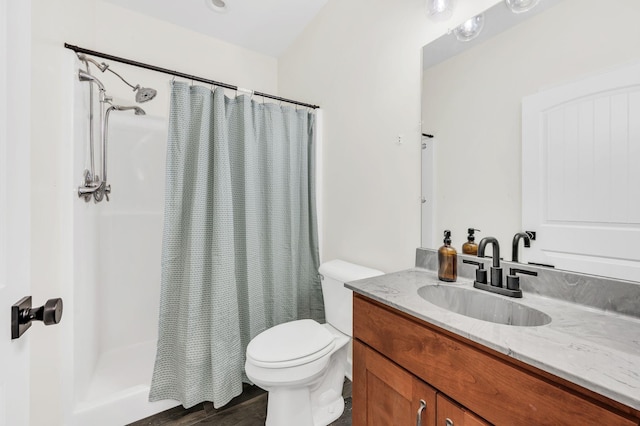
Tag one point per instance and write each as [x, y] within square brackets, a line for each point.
[290, 344]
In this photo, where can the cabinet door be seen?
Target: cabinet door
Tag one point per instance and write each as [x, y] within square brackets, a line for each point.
[385, 394]
[451, 414]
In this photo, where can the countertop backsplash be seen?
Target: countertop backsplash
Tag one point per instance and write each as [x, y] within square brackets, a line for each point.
[609, 294]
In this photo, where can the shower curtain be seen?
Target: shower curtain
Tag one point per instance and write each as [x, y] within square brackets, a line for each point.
[240, 245]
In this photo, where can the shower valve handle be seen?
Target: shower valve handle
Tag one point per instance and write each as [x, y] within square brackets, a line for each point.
[22, 314]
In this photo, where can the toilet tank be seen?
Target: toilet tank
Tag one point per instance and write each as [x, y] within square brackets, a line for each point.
[338, 303]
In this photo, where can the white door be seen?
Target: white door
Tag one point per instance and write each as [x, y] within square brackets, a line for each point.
[581, 174]
[14, 204]
[428, 199]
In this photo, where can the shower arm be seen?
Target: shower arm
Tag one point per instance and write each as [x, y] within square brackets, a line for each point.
[136, 87]
[103, 66]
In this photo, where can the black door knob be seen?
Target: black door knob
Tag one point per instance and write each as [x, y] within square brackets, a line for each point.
[52, 312]
[22, 314]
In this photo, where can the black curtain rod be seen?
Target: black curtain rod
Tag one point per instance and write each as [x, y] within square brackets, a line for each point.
[78, 49]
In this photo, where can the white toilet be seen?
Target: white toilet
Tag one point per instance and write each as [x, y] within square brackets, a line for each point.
[302, 364]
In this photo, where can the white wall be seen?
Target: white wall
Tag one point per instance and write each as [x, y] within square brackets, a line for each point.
[108, 28]
[131, 35]
[360, 60]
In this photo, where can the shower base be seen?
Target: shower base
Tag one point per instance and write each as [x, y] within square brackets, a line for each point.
[119, 390]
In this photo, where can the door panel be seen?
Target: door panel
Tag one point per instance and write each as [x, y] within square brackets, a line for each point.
[15, 194]
[580, 179]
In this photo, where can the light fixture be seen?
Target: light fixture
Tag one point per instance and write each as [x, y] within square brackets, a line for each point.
[470, 28]
[440, 10]
[219, 6]
[520, 6]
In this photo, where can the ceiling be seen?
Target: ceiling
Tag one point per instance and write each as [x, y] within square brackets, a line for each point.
[265, 26]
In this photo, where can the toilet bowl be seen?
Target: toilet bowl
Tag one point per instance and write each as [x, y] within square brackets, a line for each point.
[302, 364]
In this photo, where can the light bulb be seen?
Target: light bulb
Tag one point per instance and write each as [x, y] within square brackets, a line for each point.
[440, 10]
[520, 6]
[469, 29]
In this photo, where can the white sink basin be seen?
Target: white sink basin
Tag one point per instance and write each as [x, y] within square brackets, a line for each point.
[483, 306]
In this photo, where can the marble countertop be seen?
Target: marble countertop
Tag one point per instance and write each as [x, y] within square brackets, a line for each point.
[595, 349]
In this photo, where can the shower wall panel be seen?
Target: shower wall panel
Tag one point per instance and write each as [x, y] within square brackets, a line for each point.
[117, 247]
[131, 232]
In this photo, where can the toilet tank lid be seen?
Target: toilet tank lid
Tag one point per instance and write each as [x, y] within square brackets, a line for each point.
[289, 341]
[344, 271]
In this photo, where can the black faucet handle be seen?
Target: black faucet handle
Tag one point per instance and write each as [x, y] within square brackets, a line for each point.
[513, 281]
[514, 271]
[481, 273]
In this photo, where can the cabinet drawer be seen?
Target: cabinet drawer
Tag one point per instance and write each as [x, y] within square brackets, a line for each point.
[500, 392]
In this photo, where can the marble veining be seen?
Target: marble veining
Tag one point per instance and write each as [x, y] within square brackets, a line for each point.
[608, 294]
[594, 348]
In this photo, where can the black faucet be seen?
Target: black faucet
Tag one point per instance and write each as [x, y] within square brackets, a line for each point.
[496, 270]
[514, 246]
[495, 285]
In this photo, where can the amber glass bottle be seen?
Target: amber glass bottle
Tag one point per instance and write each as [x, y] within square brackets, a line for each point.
[470, 247]
[447, 260]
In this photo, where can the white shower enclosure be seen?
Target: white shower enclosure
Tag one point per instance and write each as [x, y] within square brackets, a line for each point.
[116, 286]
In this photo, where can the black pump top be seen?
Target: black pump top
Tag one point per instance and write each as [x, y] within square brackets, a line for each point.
[447, 237]
[471, 238]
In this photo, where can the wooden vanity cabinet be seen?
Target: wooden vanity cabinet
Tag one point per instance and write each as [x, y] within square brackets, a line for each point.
[399, 360]
[451, 414]
[385, 394]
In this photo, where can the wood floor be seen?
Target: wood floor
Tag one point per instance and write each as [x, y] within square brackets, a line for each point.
[248, 409]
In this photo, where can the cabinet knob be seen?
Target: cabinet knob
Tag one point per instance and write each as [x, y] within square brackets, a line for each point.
[423, 405]
[448, 422]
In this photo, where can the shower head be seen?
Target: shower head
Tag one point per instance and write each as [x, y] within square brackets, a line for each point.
[136, 109]
[144, 94]
[85, 76]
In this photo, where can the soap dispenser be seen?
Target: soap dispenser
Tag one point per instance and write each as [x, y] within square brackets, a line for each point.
[470, 247]
[447, 260]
